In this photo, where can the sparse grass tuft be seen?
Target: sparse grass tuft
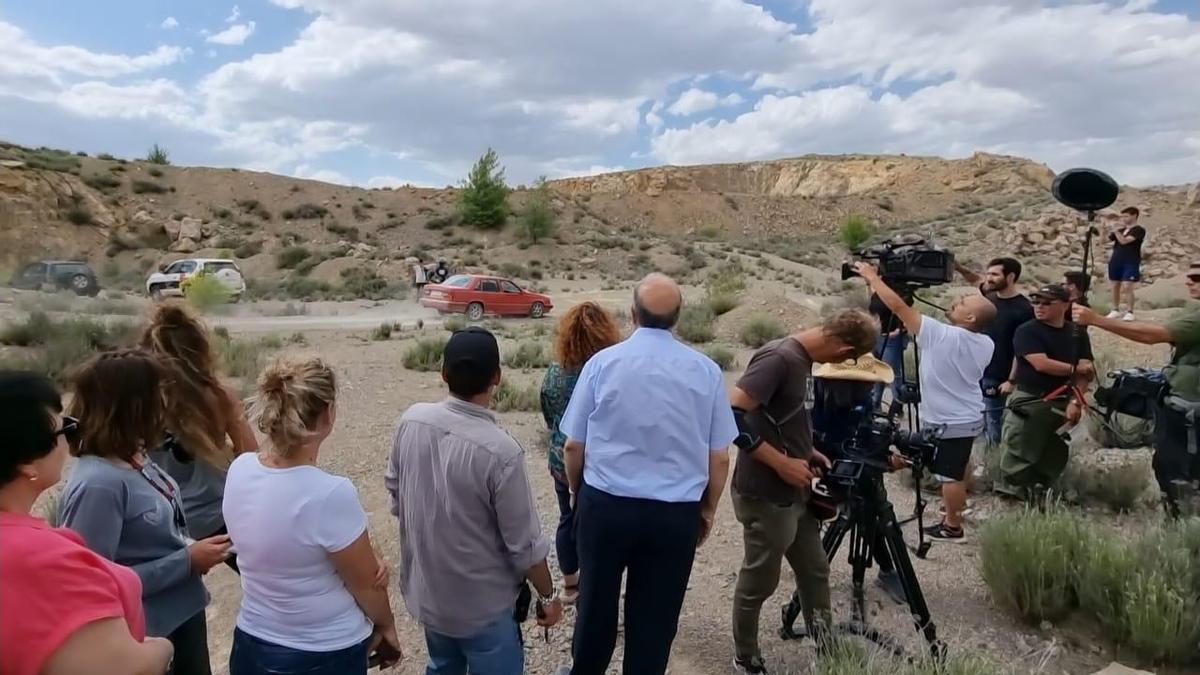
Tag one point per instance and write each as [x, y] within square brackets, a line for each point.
[696, 324]
[1028, 561]
[56, 347]
[510, 397]
[425, 355]
[291, 256]
[527, 355]
[305, 212]
[147, 187]
[722, 356]
[761, 329]
[382, 332]
[454, 324]
[102, 182]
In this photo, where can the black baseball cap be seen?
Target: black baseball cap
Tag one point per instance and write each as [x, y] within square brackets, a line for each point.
[472, 347]
[1052, 292]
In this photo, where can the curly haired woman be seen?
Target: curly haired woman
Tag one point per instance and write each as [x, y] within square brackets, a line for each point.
[584, 330]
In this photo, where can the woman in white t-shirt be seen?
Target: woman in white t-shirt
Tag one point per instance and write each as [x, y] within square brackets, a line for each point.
[314, 594]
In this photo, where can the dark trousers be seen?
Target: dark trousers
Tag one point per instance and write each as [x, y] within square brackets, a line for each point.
[1176, 470]
[564, 537]
[252, 656]
[191, 647]
[656, 543]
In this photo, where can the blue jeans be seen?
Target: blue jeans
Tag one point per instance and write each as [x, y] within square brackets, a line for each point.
[495, 650]
[993, 411]
[564, 537]
[892, 354]
[252, 656]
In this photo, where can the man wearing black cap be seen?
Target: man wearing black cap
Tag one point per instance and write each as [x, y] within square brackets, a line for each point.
[470, 536]
[1049, 356]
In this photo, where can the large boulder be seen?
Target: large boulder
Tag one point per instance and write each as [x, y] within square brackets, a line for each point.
[185, 245]
[172, 228]
[190, 228]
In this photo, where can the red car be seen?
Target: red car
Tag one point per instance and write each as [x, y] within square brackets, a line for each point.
[477, 295]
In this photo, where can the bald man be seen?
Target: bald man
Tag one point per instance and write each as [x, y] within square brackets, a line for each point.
[953, 358]
[648, 430]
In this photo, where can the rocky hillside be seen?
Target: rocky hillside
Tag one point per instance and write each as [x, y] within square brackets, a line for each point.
[304, 238]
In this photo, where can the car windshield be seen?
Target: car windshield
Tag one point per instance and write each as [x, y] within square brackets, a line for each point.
[459, 281]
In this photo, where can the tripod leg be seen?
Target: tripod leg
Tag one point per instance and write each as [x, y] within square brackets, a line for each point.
[894, 538]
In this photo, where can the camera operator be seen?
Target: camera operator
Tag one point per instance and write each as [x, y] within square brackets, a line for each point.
[1033, 452]
[1176, 460]
[954, 359]
[999, 284]
[772, 481]
[842, 399]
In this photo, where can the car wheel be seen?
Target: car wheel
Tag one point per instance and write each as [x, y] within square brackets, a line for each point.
[156, 293]
[80, 284]
[475, 311]
[537, 310]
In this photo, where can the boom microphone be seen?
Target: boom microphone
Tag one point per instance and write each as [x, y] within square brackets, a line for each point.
[1085, 189]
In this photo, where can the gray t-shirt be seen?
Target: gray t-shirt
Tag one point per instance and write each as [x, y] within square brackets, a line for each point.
[123, 517]
[202, 489]
[469, 529]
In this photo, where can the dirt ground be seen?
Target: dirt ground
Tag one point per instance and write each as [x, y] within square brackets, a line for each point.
[375, 390]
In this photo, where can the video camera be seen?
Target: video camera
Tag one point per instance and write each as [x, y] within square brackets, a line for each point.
[906, 260]
[867, 450]
[1134, 392]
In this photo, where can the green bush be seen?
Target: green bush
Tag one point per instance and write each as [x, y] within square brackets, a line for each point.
[722, 303]
[729, 279]
[696, 324]
[305, 212]
[248, 248]
[425, 355]
[102, 181]
[854, 231]
[510, 397]
[454, 324]
[761, 329]
[483, 197]
[382, 332]
[245, 357]
[359, 282]
[291, 256]
[722, 356]
[303, 288]
[147, 187]
[849, 657]
[527, 355]
[206, 292]
[1028, 560]
[349, 232]
[57, 347]
[536, 220]
[158, 155]
[440, 222]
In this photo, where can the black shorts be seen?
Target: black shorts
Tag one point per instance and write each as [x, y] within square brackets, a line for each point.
[951, 458]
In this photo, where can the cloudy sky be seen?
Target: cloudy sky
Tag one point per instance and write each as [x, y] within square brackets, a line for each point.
[386, 92]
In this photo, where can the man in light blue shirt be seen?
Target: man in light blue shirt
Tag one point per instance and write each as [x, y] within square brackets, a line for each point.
[648, 428]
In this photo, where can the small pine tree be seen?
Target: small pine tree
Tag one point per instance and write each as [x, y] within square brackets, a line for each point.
[537, 216]
[855, 231]
[483, 200]
[158, 155]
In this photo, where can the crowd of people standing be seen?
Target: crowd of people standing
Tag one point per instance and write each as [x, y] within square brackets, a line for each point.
[174, 476]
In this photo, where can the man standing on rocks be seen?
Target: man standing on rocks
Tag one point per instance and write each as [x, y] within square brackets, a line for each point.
[648, 430]
[470, 536]
[1013, 309]
[1125, 265]
[772, 481]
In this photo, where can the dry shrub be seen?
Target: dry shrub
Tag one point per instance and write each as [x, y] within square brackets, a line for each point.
[722, 356]
[527, 355]
[512, 397]
[761, 329]
[1028, 562]
[696, 324]
[425, 355]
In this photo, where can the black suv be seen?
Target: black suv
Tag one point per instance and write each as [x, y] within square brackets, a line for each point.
[58, 274]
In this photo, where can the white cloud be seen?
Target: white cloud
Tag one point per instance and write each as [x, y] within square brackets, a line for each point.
[141, 100]
[395, 182]
[234, 35]
[234, 15]
[693, 101]
[323, 175]
[21, 59]
[169, 23]
[733, 99]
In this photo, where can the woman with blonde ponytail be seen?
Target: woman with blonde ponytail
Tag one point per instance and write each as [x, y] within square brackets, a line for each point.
[205, 418]
[314, 594]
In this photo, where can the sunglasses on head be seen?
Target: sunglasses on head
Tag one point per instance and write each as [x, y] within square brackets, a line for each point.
[1044, 301]
[69, 429]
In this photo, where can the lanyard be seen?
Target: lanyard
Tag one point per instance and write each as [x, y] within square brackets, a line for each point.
[165, 488]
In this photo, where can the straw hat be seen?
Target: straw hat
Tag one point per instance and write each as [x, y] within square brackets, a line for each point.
[865, 368]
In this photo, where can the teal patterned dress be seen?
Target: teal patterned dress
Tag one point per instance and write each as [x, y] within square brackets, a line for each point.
[556, 394]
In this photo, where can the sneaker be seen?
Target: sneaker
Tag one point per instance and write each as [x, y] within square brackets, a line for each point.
[940, 532]
[1128, 316]
[751, 666]
[889, 582]
[1115, 314]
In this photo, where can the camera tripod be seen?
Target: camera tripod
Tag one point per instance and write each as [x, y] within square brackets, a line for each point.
[868, 517]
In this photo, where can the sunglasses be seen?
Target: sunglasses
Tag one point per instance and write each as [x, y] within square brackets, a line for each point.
[1194, 278]
[69, 430]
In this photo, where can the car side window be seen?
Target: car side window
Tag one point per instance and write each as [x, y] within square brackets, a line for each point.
[510, 287]
[489, 286]
[34, 270]
[187, 267]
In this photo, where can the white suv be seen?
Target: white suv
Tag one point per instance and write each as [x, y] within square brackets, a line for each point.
[166, 282]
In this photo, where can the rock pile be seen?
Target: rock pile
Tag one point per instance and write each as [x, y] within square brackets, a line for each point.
[1059, 233]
